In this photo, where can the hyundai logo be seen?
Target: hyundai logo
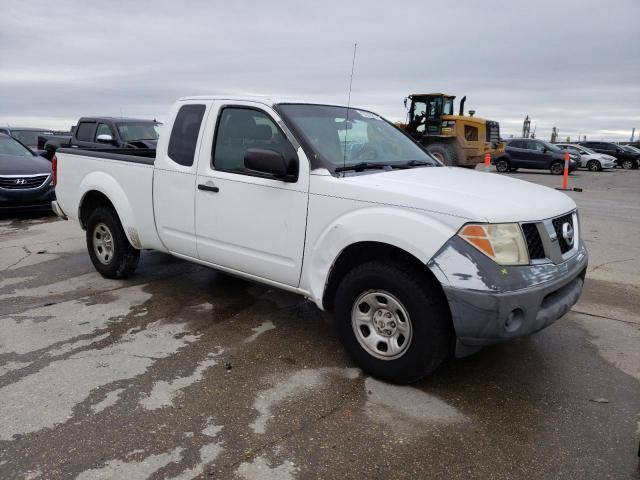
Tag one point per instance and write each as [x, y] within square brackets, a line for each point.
[567, 233]
[20, 181]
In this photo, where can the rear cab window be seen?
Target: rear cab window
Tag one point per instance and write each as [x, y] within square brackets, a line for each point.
[184, 134]
[84, 132]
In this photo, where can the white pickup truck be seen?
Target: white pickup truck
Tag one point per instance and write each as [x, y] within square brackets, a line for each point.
[415, 260]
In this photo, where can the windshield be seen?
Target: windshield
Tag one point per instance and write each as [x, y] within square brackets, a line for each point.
[550, 146]
[132, 131]
[29, 137]
[9, 146]
[365, 137]
[630, 148]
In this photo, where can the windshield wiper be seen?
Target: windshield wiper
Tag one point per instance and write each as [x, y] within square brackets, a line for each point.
[413, 163]
[359, 167]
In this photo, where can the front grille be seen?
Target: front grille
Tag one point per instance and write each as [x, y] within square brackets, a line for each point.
[557, 226]
[493, 131]
[534, 242]
[22, 183]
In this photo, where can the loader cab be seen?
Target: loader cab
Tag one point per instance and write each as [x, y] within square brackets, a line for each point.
[426, 111]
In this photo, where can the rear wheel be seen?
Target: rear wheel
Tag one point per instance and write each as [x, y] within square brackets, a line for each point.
[594, 166]
[556, 168]
[394, 323]
[503, 165]
[445, 153]
[109, 249]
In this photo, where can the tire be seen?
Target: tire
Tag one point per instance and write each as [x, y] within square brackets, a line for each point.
[594, 166]
[445, 153]
[629, 164]
[557, 168]
[503, 165]
[426, 328]
[109, 249]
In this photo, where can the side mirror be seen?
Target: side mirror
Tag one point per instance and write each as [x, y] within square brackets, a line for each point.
[104, 138]
[545, 149]
[269, 162]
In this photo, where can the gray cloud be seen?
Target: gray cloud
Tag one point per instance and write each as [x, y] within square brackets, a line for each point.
[571, 64]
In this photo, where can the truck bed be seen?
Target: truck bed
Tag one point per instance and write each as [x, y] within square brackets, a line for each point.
[134, 155]
[125, 177]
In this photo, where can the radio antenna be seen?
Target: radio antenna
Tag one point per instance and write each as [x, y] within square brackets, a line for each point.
[346, 124]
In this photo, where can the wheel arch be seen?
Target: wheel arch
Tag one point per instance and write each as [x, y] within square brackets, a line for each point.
[360, 252]
[100, 188]
[372, 232]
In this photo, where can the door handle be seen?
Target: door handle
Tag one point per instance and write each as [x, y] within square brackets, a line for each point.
[208, 188]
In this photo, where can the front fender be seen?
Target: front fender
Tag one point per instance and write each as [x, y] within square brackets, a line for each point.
[409, 230]
[109, 187]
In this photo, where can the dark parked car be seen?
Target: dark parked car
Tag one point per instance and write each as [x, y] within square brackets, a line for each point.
[28, 136]
[533, 153]
[25, 178]
[99, 133]
[624, 158]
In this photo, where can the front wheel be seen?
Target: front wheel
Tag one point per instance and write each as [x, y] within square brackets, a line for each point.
[393, 322]
[557, 168]
[503, 166]
[445, 153]
[594, 166]
[629, 164]
[109, 249]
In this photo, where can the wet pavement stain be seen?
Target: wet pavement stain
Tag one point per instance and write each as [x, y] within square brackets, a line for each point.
[74, 387]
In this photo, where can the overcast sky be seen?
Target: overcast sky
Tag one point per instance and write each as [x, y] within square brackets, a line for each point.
[574, 64]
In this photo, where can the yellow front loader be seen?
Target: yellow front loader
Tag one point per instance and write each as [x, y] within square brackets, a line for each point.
[456, 140]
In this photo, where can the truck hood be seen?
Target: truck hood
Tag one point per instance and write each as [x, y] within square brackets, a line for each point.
[472, 195]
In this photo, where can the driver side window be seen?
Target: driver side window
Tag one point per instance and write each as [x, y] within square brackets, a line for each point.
[103, 129]
[240, 129]
[533, 145]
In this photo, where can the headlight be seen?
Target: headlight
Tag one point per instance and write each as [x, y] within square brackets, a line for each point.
[502, 242]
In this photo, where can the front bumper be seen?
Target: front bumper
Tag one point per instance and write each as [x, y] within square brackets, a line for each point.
[490, 303]
[28, 199]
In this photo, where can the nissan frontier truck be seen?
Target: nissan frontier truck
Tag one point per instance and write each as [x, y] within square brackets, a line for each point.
[416, 260]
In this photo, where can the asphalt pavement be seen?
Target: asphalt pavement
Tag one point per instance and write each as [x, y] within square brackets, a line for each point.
[181, 372]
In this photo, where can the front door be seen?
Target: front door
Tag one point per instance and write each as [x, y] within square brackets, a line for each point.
[246, 221]
[433, 121]
[536, 157]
